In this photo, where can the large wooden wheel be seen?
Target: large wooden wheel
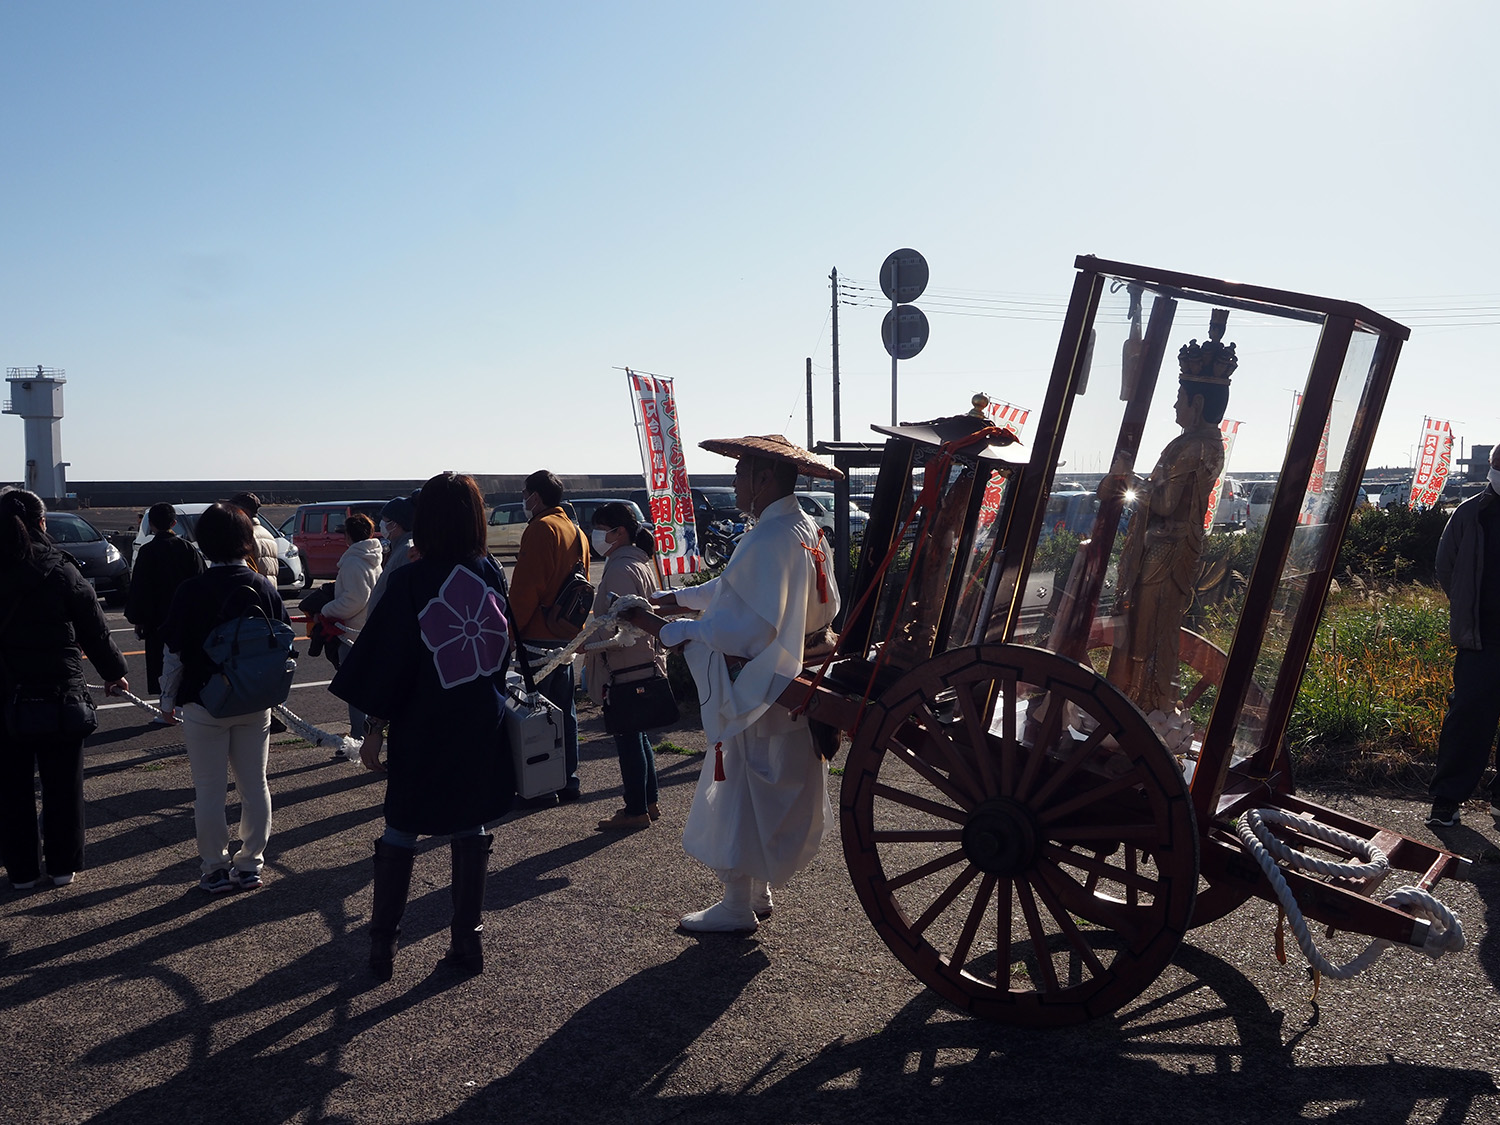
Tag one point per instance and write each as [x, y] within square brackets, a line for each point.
[1018, 835]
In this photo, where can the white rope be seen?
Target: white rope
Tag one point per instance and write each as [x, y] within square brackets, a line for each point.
[599, 620]
[347, 746]
[1445, 935]
[149, 708]
[1376, 866]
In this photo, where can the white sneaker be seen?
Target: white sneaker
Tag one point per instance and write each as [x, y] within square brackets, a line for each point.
[63, 880]
[720, 919]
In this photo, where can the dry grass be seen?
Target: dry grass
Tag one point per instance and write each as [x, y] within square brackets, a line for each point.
[1373, 695]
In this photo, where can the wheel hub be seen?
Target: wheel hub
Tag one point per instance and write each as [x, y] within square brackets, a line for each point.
[1001, 837]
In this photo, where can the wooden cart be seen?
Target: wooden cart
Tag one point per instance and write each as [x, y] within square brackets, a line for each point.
[1016, 829]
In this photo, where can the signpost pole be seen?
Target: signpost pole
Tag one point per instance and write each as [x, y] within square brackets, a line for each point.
[895, 327]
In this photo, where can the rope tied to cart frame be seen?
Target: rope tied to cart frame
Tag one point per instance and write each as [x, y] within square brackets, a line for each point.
[1445, 935]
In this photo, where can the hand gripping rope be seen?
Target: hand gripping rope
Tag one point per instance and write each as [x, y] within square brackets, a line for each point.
[627, 636]
[1446, 935]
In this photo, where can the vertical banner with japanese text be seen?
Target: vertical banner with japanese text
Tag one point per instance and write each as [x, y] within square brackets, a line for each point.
[1432, 463]
[1313, 505]
[1228, 428]
[671, 500]
[1007, 417]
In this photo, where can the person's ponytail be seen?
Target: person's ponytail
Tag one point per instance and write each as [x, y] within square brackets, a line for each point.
[21, 515]
[643, 540]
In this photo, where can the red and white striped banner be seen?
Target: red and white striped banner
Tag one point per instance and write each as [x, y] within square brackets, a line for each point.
[1008, 417]
[1228, 428]
[671, 499]
[1313, 506]
[1432, 463]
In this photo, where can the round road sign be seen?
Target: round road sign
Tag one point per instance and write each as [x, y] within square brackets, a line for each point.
[903, 276]
[904, 331]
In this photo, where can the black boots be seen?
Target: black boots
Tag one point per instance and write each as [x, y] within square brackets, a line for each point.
[471, 861]
[392, 881]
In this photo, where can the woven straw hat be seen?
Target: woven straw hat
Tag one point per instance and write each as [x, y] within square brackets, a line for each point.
[773, 447]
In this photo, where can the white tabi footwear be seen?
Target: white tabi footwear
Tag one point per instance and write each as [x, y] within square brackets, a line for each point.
[732, 915]
[760, 898]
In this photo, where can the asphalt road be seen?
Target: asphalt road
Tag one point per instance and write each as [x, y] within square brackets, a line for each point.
[133, 997]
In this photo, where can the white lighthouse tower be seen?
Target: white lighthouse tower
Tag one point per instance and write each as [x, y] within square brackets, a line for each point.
[37, 396]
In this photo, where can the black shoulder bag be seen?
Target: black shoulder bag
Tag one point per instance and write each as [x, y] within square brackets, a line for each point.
[36, 712]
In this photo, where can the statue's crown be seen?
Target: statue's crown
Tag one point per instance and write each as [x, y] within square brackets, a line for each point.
[1212, 361]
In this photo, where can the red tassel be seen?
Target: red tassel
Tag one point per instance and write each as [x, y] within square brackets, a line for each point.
[718, 761]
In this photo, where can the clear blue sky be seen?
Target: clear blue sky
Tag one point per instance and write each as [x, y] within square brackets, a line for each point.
[373, 239]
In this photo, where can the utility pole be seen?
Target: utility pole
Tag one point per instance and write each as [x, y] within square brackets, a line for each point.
[809, 404]
[837, 433]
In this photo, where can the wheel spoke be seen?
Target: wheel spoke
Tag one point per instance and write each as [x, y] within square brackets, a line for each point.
[1150, 833]
[932, 867]
[1065, 922]
[1010, 745]
[1126, 921]
[1088, 797]
[924, 836]
[1048, 729]
[958, 769]
[961, 947]
[1038, 936]
[922, 804]
[908, 757]
[944, 900]
[1099, 868]
[1005, 910]
[979, 737]
[1080, 754]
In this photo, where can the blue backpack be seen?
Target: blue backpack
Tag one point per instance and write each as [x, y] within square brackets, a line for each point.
[254, 662]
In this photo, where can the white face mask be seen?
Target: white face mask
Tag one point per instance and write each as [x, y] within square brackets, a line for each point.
[1495, 479]
[385, 529]
[600, 545]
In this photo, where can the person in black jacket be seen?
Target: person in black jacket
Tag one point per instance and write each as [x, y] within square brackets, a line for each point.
[164, 562]
[228, 589]
[431, 662]
[47, 612]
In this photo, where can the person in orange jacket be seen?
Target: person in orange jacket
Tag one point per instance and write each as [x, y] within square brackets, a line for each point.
[552, 547]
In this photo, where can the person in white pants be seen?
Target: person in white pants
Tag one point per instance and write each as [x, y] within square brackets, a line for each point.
[215, 746]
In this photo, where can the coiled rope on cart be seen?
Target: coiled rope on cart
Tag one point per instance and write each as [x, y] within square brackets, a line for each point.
[1445, 935]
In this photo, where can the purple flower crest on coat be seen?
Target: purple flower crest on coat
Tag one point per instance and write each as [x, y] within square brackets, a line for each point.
[464, 629]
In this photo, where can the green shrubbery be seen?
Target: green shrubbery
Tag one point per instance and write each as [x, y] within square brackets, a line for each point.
[1399, 545]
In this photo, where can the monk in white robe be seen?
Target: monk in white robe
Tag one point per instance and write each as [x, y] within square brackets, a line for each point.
[761, 808]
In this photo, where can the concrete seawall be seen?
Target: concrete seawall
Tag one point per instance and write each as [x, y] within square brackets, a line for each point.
[496, 488]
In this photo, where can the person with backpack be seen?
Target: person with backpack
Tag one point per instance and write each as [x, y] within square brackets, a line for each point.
[164, 562]
[49, 619]
[227, 591]
[429, 669]
[553, 549]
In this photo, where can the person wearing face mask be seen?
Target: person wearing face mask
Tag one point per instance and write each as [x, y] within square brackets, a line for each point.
[627, 548]
[552, 547]
[396, 519]
[1468, 569]
[761, 807]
